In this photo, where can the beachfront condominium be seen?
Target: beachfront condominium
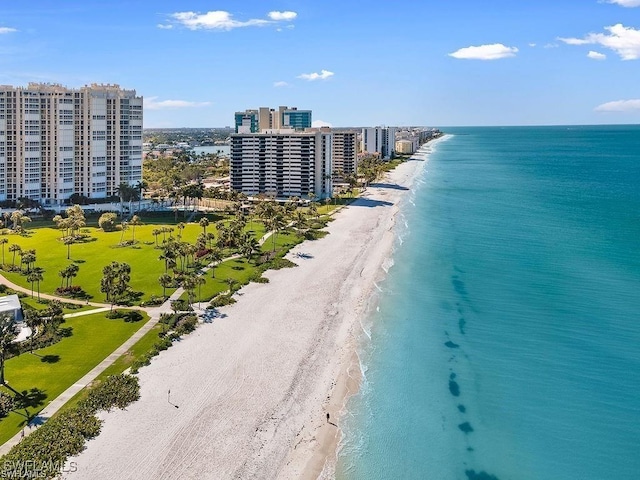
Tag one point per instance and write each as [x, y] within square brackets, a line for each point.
[379, 141]
[344, 150]
[56, 141]
[282, 163]
[265, 118]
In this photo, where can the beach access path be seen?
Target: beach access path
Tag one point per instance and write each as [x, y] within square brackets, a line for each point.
[246, 394]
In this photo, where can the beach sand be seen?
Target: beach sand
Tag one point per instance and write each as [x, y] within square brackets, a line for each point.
[249, 392]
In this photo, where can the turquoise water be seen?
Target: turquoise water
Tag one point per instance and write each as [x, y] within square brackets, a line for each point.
[506, 343]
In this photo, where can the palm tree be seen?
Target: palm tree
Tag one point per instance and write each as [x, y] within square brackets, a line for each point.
[214, 257]
[72, 272]
[180, 227]
[15, 248]
[232, 283]
[200, 281]
[7, 335]
[28, 257]
[135, 220]
[204, 223]
[123, 227]
[165, 282]
[275, 224]
[33, 320]
[248, 246]
[33, 277]
[155, 232]
[3, 242]
[68, 241]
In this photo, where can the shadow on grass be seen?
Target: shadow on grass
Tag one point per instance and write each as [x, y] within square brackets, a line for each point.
[29, 398]
[50, 358]
[65, 332]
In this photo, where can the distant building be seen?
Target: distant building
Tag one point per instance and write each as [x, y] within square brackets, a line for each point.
[247, 121]
[56, 141]
[265, 118]
[10, 307]
[405, 147]
[379, 141]
[282, 163]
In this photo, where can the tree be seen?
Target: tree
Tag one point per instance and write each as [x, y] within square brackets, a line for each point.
[28, 257]
[276, 223]
[155, 232]
[33, 277]
[68, 241]
[123, 227]
[19, 219]
[135, 221]
[249, 245]
[107, 222]
[214, 257]
[200, 281]
[189, 284]
[33, 321]
[204, 223]
[232, 283]
[3, 242]
[15, 248]
[7, 335]
[115, 281]
[165, 282]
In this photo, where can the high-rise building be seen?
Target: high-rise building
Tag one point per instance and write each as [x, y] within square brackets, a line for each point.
[282, 163]
[265, 118]
[379, 141]
[344, 150]
[294, 118]
[56, 141]
[247, 121]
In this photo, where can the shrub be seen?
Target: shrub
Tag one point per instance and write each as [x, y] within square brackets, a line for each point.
[108, 222]
[186, 324]
[6, 404]
[222, 300]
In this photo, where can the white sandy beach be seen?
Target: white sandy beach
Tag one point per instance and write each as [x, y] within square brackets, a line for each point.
[252, 389]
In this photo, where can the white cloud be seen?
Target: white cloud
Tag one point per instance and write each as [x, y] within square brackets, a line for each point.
[625, 41]
[320, 123]
[165, 27]
[152, 103]
[619, 106]
[7, 30]
[596, 55]
[222, 20]
[493, 51]
[280, 84]
[279, 16]
[532, 45]
[323, 75]
[626, 3]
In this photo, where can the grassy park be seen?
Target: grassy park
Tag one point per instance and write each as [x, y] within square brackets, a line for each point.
[41, 376]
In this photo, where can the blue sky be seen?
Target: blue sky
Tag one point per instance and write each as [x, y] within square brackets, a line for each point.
[354, 63]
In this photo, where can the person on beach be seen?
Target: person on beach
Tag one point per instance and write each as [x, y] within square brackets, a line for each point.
[328, 417]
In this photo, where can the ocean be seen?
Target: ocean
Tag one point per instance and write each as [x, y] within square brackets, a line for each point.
[505, 342]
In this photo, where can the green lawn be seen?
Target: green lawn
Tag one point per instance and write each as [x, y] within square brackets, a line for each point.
[48, 372]
[93, 255]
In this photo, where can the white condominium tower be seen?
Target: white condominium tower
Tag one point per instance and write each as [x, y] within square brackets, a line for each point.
[379, 141]
[282, 163]
[56, 141]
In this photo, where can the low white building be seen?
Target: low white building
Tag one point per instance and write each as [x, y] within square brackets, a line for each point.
[10, 306]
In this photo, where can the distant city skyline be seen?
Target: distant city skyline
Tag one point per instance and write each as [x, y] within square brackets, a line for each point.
[408, 63]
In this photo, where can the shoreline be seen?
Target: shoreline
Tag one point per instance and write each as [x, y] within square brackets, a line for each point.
[253, 387]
